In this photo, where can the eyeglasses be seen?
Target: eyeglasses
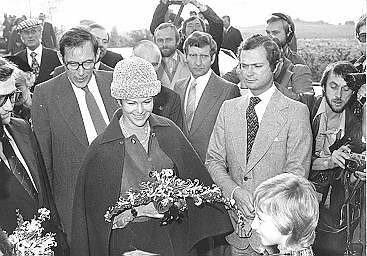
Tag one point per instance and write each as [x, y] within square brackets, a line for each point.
[13, 97]
[362, 37]
[87, 65]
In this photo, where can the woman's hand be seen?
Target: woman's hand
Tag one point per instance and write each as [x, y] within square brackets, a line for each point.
[148, 211]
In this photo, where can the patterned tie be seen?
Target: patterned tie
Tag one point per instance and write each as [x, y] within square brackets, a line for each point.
[18, 169]
[94, 111]
[35, 66]
[252, 124]
[190, 105]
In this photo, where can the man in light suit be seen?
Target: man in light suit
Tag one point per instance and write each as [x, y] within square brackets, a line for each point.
[210, 91]
[253, 142]
[42, 60]
[68, 112]
[23, 180]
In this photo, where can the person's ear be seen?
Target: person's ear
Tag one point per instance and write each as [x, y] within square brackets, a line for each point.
[59, 56]
[98, 54]
[212, 59]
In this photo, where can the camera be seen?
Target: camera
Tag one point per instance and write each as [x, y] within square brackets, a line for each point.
[355, 80]
[356, 162]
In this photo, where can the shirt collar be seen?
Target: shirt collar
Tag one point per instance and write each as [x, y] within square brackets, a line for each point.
[203, 80]
[38, 50]
[265, 96]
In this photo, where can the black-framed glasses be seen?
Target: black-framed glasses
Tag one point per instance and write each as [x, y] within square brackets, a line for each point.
[13, 97]
[87, 65]
[362, 37]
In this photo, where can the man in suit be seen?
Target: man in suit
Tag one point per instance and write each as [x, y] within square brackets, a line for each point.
[23, 179]
[257, 136]
[167, 103]
[203, 93]
[68, 112]
[48, 33]
[42, 60]
[281, 26]
[173, 66]
[107, 57]
[232, 37]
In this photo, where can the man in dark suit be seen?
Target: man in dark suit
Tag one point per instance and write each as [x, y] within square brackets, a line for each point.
[48, 33]
[23, 179]
[107, 57]
[42, 60]
[68, 112]
[232, 37]
[167, 103]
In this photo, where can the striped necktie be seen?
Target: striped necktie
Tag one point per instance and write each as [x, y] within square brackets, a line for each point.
[190, 105]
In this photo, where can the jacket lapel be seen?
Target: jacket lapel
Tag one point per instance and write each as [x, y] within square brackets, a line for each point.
[104, 89]
[69, 109]
[206, 102]
[271, 124]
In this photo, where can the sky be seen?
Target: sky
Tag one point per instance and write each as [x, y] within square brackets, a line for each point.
[136, 14]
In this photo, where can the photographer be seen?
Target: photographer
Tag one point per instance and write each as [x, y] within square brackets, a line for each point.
[337, 131]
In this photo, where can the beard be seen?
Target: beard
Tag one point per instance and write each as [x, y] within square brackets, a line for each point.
[167, 52]
[333, 107]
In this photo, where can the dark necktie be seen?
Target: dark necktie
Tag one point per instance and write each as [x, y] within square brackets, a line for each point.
[252, 124]
[94, 111]
[35, 65]
[18, 169]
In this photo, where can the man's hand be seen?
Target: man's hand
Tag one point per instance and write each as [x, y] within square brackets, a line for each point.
[339, 156]
[243, 200]
[360, 175]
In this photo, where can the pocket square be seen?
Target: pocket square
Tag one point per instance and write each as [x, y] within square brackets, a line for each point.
[276, 139]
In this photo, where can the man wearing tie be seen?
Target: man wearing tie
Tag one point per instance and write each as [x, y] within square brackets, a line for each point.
[23, 179]
[256, 137]
[42, 60]
[68, 113]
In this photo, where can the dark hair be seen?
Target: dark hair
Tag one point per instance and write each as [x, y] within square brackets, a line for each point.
[361, 21]
[273, 53]
[189, 20]
[339, 68]
[168, 25]
[200, 39]
[6, 69]
[76, 37]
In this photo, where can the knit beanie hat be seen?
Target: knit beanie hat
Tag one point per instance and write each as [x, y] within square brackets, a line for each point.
[134, 77]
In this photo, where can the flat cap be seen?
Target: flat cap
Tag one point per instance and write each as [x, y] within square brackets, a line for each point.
[30, 23]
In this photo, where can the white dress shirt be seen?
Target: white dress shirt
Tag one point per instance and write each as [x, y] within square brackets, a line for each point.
[265, 98]
[38, 51]
[87, 119]
[201, 83]
[17, 153]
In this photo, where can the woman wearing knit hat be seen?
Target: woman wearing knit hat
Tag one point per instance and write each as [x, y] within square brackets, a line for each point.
[135, 143]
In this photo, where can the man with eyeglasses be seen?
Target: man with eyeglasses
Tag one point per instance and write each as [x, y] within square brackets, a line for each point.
[23, 179]
[360, 64]
[202, 94]
[42, 60]
[68, 112]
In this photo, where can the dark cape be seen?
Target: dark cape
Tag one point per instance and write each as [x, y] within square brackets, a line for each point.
[99, 183]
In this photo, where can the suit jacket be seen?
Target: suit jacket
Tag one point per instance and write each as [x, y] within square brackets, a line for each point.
[48, 36]
[232, 39]
[61, 69]
[59, 128]
[13, 195]
[182, 71]
[91, 233]
[167, 103]
[283, 144]
[215, 93]
[111, 58]
[49, 61]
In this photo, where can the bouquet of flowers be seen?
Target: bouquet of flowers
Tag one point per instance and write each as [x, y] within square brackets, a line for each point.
[168, 194]
[27, 238]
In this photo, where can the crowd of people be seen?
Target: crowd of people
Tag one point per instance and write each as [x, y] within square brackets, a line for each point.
[81, 126]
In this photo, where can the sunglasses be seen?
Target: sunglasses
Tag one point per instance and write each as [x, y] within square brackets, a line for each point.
[362, 37]
[13, 97]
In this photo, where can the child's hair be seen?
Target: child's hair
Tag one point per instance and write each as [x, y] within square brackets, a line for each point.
[291, 202]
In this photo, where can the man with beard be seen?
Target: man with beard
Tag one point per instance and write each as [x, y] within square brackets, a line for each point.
[334, 122]
[173, 65]
[106, 57]
[281, 26]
